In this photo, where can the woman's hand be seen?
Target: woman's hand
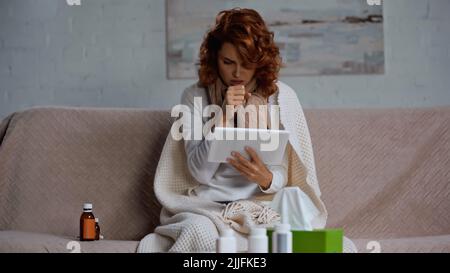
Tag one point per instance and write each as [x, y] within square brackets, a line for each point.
[236, 95]
[254, 170]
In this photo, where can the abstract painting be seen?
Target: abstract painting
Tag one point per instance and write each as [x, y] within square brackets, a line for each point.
[315, 37]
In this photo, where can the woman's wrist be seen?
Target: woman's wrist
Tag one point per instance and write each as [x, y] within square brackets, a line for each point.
[265, 185]
[227, 119]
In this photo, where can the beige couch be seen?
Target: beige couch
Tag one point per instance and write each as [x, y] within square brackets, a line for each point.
[384, 175]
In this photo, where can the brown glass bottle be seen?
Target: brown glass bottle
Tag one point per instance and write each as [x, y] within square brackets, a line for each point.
[87, 223]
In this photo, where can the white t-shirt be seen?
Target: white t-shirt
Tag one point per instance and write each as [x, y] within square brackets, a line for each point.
[221, 181]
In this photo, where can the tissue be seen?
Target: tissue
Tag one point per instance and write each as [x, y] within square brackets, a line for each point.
[295, 208]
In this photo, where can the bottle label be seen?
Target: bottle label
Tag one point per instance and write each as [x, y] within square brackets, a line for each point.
[89, 229]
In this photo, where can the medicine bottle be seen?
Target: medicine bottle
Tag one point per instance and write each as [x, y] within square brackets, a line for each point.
[282, 239]
[258, 241]
[227, 242]
[87, 223]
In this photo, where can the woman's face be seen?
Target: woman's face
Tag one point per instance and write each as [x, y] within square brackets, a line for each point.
[231, 68]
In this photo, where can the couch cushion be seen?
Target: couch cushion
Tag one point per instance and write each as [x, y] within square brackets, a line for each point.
[20, 241]
[384, 173]
[54, 159]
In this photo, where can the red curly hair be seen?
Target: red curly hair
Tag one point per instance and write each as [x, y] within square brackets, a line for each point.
[245, 29]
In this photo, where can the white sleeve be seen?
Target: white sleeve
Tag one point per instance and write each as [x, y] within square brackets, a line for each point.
[197, 150]
[197, 160]
[279, 179]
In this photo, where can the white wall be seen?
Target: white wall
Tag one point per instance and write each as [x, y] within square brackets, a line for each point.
[111, 53]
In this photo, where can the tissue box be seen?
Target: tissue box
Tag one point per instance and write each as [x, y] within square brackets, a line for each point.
[316, 241]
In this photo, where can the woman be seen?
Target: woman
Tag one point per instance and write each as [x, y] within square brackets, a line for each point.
[239, 64]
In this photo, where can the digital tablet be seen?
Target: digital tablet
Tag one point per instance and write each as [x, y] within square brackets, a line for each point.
[269, 144]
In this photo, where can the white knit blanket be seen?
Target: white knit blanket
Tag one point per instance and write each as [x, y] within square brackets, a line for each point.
[191, 224]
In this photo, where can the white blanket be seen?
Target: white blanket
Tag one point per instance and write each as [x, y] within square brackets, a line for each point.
[191, 224]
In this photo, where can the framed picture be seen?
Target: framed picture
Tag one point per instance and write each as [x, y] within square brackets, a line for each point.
[315, 37]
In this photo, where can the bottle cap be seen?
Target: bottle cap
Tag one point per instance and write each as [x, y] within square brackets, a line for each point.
[87, 206]
[258, 231]
[282, 228]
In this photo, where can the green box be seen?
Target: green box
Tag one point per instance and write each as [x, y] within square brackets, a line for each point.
[316, 241]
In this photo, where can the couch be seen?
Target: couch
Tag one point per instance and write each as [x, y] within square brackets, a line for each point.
[384, 176]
